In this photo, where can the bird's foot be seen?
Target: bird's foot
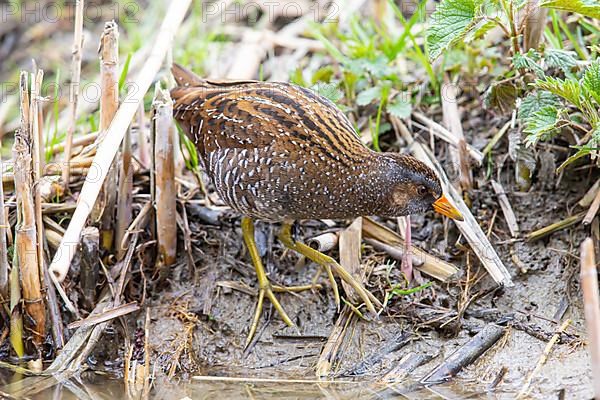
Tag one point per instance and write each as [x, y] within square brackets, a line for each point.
[266, 290]
[331, 267]
[265, 287]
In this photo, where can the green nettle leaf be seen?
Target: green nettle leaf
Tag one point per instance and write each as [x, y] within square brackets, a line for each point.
[400, 107]
[536, 101]
[529, 61]
[329, 90]
[501, 96]
[367, 96]
[591, 80]
[539, 123]
[452, 20]
[565, 60]
[568, 89]
[377, 67]
[479, 30]
[589, 8]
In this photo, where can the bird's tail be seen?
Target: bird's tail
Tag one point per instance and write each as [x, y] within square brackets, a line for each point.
[184, 77]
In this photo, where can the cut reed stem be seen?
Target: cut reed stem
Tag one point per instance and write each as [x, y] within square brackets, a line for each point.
[452, 120]
[26, 237]
[164, 167]
[124, 197]
[110, 145]
[74, 95]
[104, 209]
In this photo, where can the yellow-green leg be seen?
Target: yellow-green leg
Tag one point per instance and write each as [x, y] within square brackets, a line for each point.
[330, 265]
[264, 285]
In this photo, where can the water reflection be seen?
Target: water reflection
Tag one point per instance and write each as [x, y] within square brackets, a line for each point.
[91, 385]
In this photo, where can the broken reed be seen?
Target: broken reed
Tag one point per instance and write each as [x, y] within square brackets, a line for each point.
[26, 237]
[107, 148]
[164, 181]
[124, 196]
[104, 209]
[75, 80]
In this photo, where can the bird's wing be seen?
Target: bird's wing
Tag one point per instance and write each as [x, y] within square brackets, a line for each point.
[250, 114]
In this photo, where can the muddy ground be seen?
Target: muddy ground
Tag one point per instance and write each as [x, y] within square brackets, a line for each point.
[200, 309]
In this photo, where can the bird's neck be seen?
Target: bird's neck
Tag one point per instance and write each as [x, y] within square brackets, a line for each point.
[374, 180]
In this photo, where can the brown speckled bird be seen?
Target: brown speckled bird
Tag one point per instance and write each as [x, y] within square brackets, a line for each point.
[280, 152]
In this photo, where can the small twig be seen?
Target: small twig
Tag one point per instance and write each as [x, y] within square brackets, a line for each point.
[384, 239]
[593, 210]
[565, 223]
[446, 135]
[106, 315]
[4, 265]
[465, 355]
[146, 389]
[488, 147]
[509, 214]
[527, 386]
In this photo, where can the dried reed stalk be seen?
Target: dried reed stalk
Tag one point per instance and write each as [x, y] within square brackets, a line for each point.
[591, 306]
[16, 315]
[74, 95]
[331, 349]
[452, 120]
[447, 136]
[557, 226]
[38, 160]
[4, 265]
[90, 265]
[82, 140]
[324, 242]
[590, 195]
[164, 167]
[509, 214]
[104, 209]
[108, 148]
[533, 24]
[389, 241]
[350, 245]
[26, 238]
[593, 210]
[125, 194]
[142, 142]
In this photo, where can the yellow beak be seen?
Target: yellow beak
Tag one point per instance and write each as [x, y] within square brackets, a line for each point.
[443, 206]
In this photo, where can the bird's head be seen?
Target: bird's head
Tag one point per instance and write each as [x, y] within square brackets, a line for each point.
[414, 188]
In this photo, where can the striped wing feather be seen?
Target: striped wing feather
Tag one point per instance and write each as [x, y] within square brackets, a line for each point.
[263, 143]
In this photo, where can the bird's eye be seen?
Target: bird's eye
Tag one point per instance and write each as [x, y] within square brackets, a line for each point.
[423, 190]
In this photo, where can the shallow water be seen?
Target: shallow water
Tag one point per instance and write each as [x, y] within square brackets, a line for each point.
[99, 386]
